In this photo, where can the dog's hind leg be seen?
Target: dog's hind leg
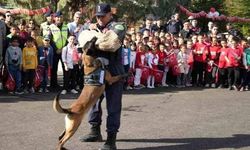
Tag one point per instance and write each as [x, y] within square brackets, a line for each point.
[72, 122]
[62, 134]
[63, 140]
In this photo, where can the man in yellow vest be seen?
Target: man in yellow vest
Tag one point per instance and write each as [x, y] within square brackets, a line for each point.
[45, 30]
[59, 32]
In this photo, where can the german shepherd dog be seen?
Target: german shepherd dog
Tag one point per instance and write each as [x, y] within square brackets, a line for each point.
[88, 97]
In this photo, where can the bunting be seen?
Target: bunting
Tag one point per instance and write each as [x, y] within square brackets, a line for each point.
[29, 12]
[203, 14]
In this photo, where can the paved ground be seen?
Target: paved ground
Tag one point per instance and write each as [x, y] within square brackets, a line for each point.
[159, 119]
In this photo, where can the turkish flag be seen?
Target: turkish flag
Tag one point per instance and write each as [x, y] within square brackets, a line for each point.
[176, 70]
[145, 71]
[158, 74]
[172, 59]
[10, 83]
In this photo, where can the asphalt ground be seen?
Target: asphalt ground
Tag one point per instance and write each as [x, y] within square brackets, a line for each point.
[152, 119]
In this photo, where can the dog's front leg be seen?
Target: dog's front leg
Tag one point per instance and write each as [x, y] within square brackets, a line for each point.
[112, 79]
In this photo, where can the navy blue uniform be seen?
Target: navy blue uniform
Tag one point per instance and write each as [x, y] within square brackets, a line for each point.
[113, 93]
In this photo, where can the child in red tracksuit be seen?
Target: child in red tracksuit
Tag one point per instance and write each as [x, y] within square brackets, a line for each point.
[153, 60]
[162, 65]
[223, 60]
[212, 63]
[234, 55]
[140, 61]
[199, 53]
[190, 62]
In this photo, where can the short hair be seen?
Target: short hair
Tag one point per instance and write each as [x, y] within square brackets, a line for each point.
[13, 26]
[22, 22]
[235, 39]
[72, 35]
[14, 38]
[133, 44]
[30, 39]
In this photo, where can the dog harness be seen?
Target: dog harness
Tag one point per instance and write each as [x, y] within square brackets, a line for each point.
[97, 77]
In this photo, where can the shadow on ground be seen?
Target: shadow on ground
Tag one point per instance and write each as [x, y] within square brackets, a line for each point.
[234, 142]
[12, 98]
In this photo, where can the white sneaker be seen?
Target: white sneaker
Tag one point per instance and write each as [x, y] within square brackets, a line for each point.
[32, 90]
[246, 89]
[63, 92]
[46, 91]
[165, 85]
[188, 85]
[213, 85]
[129, 88]
[40, 90]
[73, 91]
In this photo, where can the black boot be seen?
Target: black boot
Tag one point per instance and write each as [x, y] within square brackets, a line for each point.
[110, 143]
[93, 136]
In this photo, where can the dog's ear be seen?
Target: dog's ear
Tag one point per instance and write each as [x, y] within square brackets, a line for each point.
[90, 44]
[90, 47]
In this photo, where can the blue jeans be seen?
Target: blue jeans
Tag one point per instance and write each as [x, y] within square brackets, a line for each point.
[44, 78]
[16, 74]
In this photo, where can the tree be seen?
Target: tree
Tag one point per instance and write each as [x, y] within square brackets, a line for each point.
[239, 8]
[205, 5]
[166, 8]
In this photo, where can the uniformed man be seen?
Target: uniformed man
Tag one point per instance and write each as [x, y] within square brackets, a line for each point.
[113, 93]
[45, 30]
[59, 32]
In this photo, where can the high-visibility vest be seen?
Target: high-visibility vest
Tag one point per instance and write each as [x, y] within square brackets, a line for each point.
[45, 29]
[59, 36]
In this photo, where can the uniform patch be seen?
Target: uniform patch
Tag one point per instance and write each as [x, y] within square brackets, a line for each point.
[119, 27]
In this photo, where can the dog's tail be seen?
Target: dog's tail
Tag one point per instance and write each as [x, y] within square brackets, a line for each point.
[57, 107]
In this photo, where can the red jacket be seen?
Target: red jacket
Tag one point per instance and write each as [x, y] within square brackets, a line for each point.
[222, 60]
[140, 59]
[234, 56]
[162, 57]
[200, 52]
[213, 53]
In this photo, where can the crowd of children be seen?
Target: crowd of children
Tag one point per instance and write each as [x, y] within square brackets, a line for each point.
[176, 53]
[188, 57]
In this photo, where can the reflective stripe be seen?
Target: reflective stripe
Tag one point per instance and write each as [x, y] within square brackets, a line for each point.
[59, 36]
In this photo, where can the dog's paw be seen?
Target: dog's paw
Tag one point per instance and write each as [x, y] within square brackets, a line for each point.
[124, 75]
